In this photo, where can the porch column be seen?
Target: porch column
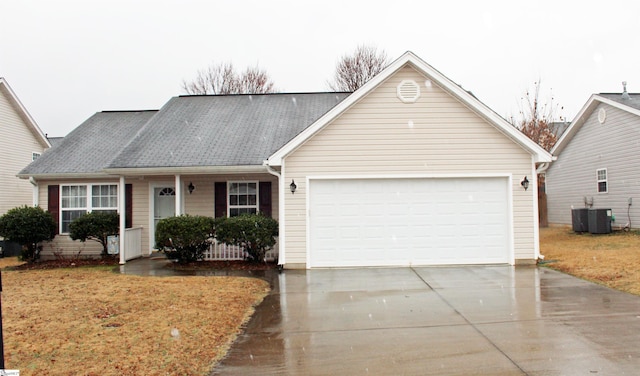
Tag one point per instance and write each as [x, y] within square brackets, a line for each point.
[178, 195]
[123, 212]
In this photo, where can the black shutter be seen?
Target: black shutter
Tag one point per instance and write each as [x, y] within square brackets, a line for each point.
[265, 198]
[128, 206]
[220, 197]
[54, 205]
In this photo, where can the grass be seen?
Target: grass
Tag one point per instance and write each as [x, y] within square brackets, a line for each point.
[609, 259]
[92, 321]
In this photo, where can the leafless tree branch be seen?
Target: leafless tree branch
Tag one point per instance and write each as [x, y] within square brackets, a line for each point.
[353, 71]
[221, 79]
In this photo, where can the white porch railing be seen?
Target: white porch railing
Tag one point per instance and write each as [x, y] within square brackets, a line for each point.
[220, 251]
[133, 243]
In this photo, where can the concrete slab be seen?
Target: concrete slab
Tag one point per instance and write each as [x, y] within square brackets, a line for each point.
[471, 320]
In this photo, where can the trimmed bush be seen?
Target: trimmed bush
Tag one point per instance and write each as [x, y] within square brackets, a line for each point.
[185, 238]
[96, 226]
[28, 226]
[255, 233]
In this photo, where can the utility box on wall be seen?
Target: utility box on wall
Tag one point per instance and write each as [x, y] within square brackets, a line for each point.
[580, 219]
[600, 221]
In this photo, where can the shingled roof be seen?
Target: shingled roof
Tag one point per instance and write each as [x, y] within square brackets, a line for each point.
[188, 131]
[91, 146]
[226, 130]
[632, 99]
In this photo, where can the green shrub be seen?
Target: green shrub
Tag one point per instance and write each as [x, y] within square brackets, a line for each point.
[255, 233]
[28, 226]
[185, 238]
[96, 226]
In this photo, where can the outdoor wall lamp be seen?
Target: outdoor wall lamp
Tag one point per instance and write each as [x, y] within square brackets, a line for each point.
[293, 186]
[191, 187]
[525, 183]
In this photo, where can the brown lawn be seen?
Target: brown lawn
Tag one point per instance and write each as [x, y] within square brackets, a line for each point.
[609, 259]
[91, 321]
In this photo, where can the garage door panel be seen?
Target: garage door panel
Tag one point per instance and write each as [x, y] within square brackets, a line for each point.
[382, 222]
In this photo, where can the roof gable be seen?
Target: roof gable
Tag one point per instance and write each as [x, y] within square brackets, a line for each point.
[631, 105]
[6, 90]
[539, 154]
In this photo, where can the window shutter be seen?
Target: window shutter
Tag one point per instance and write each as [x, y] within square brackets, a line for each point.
[220, 199]
[265, 198]
[54, 205]
[128, 205]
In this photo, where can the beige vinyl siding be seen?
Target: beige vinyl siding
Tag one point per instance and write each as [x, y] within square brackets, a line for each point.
[380, 135]
[612, 145]
[17, 143]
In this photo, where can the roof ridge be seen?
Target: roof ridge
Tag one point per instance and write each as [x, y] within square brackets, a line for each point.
[264, 94]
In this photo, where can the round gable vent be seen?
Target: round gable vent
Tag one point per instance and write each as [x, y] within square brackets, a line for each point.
[408, 91]
[602, 115]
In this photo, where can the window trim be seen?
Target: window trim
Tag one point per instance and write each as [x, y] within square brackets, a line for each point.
[257, 204]
[88, 208]
[605, 180]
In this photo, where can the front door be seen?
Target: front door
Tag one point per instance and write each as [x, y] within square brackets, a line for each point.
[164, 205]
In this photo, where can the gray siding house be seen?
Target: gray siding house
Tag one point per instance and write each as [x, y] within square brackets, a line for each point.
[598, 164]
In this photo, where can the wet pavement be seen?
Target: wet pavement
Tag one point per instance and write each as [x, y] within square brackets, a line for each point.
[489, 320]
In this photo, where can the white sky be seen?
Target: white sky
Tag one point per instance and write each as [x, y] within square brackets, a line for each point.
[67, 60]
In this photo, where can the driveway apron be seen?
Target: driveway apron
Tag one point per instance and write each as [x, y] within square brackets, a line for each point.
[497, 320]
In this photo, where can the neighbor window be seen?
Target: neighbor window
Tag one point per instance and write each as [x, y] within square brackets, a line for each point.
[602, 180]
[35, 156]
[76, 200]
[243, 198]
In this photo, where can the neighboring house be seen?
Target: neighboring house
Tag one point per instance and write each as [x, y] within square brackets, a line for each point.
[21, 141]
[598, 162]
[408, 170]
[54, 140]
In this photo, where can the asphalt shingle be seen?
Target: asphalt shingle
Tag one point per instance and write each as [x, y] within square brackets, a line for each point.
[227, 130]
[92, 145]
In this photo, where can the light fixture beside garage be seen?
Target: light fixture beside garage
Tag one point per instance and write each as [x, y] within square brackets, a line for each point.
[525, 183]
[293, 186]
[191, 187]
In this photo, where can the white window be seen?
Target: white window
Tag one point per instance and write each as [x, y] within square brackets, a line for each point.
[76, 200]
[35, 156]
[243, 198]
[601, 176]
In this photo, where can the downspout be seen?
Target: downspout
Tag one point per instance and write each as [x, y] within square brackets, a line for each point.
[123, 226]
[281, 253]
[36, 193]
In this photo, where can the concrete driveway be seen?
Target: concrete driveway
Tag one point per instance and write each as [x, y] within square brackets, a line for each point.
[488, 320]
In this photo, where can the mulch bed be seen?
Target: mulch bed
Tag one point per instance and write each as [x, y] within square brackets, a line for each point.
[224, 265]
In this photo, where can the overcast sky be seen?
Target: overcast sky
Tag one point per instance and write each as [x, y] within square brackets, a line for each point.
[67, 60]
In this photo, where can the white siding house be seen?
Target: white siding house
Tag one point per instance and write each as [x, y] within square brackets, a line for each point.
[21, 141]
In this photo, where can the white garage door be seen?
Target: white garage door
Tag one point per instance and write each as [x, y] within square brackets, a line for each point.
[389, 222]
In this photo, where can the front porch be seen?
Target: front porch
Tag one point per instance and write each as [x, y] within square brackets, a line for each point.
[217, 251]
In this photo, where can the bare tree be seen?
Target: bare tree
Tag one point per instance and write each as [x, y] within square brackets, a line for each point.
[223, 79]
[537, 119]
[353, 71]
